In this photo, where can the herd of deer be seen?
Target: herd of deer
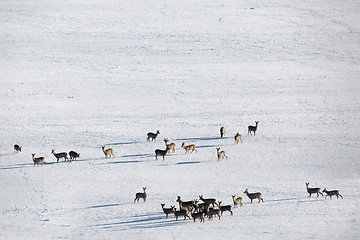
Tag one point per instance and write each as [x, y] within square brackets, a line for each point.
[207, 207]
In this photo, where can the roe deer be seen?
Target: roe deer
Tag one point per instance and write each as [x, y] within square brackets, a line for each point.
[17, 148]
[185, 205]
[238, 138]
[237, 201]
[168, 211]
[221, 154]
[332, 193]
[225, 208]
[253, 128]
[313, 190]
[181, 213]
[222, 132]
[199, 215]
[108, 152]
[152, 136]
[38, 160]
[74, 155]
[209, 201]
[212, 212]
[141, 195]
[159, 152]
[170, 145]
[59, 155]
[188, 148]
[254, 195]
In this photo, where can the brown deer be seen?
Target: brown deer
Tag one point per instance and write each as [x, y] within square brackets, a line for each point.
[168, 211]
[169, 145]
[313, 190]
[238, 138]
[254, 196]
[188, 206]
[211, 201]
[199, 215]
[253, 128]
[108, 152]
[188, 148]
[59, 155]
[38, 160]
[141, 195]
[221, 154]
[181, 213]
[237, 201]
[332, 193]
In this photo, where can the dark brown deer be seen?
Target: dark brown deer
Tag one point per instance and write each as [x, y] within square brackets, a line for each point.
[253, 128]
[313, 190]
[141, 195]
[152, 136]
[332, 193]
[17, 148]
[222, 132]
[59, 155]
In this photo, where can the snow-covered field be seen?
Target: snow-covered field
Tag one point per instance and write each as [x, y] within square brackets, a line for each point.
[77, 75]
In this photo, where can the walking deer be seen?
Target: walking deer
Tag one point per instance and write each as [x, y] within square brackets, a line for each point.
[59, 155]
[222, 132]
[254, 195]
[332, 193]
[169, 145]
[253, 128]
[221, 154]
[152, 136]
[237, 201]
[108, 152]
[17, 148]
[38, 160]
[141, 195]
[238, 138]
[313, 190]
[188, 148]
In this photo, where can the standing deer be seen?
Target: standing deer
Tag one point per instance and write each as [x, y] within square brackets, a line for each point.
[168, 211]
[74, 155]
[253, 128]
[188, 148]
[17, 148]
[181, 213]
[141, 195]
[332, 193]
[254, 195]
[237, 201]
[313, 190]
[211, 201]
[108, 152]
[238, 138]
[222, 132]
[159, 152]
[225, 208]
[59, 155]
[221, 154]
[38, 160]
[169, 145]
[152, 136]
[185, 205]
[199, 215]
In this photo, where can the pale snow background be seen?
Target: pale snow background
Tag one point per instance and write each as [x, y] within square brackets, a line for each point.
[76, 75]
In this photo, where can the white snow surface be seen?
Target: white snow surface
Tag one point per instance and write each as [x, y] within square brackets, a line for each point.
[81, 74]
